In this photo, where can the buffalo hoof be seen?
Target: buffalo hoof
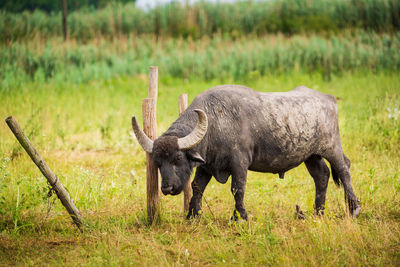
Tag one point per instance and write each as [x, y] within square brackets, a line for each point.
[355, 208]
[193, 214]
[319, 212]
[355, 212]
[238, 216]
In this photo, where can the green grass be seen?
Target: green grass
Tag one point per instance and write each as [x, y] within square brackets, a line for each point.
[82, 131]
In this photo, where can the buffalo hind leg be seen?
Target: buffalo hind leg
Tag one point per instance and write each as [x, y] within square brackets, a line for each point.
[341, 165]
[352, 201]
[320, 173]
[200, 181]
[238, 187]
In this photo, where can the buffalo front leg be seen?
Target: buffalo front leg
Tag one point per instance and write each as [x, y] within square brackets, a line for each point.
[199, 184]
[320, 173]
[237, 188]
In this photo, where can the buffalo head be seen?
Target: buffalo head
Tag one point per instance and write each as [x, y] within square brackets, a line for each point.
[175, 157]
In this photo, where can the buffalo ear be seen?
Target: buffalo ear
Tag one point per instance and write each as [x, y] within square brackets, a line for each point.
[195, 156]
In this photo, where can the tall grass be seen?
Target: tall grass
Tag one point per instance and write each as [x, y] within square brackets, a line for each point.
[208, 19]
[206, 58]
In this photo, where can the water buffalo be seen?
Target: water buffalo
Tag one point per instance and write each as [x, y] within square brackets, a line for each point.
[230, 129]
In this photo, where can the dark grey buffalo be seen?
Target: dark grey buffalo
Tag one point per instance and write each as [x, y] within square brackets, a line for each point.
[230, 129]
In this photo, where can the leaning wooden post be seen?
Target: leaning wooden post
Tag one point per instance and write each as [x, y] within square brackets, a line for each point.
[53, 180]
[187, 190]
[150, 129]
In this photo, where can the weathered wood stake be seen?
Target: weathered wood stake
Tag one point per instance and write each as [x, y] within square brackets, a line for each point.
[153, 84]
[187, 190]
[53, 180]
[150, 129]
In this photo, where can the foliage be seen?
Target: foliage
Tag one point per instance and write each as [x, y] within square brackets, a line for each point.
[208, 19]
[206, 59]
[104, 172]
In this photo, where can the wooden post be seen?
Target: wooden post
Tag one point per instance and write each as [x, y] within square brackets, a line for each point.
[44, 168]
[153, 84]
[187, 190]
[150, 129]
[64, 19]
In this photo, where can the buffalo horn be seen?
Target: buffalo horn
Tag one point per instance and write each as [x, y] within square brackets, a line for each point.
[144, 141]
[197, 134]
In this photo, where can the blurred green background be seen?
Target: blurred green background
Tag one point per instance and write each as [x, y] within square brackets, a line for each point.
[205, 39]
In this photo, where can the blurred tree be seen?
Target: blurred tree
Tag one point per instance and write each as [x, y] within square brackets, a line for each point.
[64, 19]
[51, 5]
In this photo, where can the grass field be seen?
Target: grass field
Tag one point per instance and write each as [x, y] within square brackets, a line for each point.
[82, 131]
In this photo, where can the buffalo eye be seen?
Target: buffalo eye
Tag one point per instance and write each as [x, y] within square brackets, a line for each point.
[157, 162]
[178, 159]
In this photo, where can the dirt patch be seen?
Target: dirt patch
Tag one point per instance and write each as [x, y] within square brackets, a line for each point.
[60, 242]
